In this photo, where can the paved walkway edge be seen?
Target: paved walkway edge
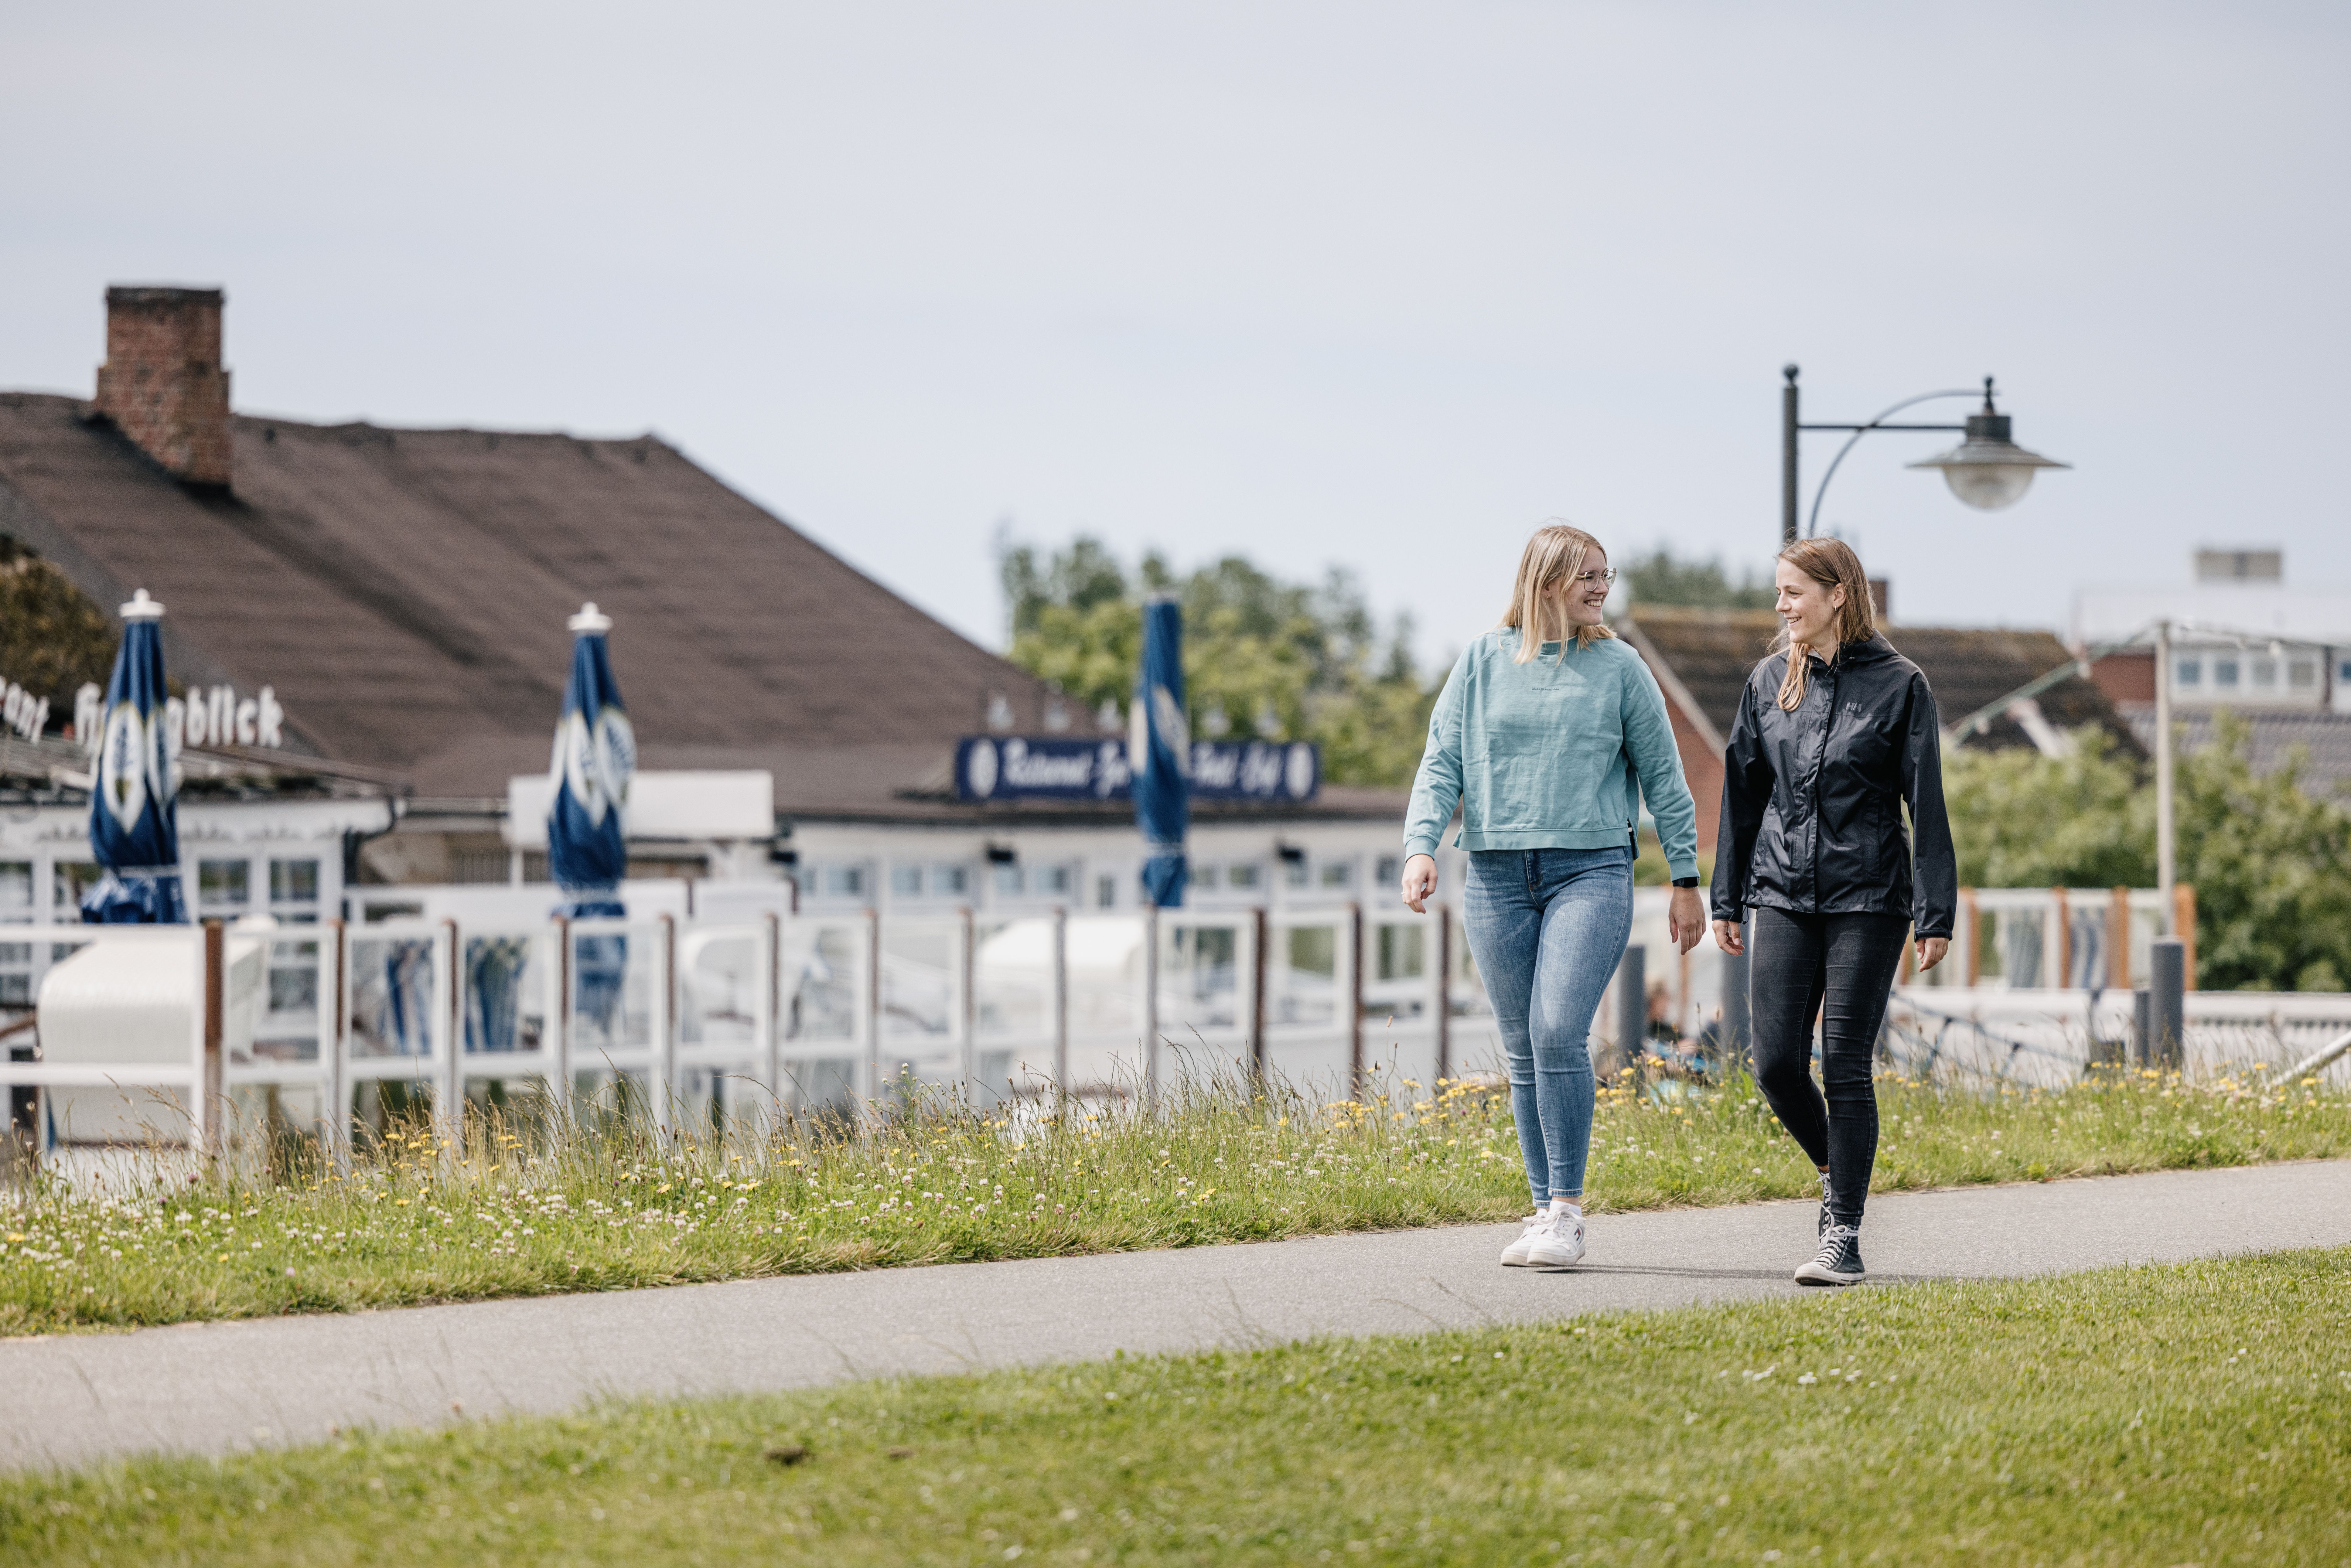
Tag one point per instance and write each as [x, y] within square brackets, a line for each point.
[213, 1388]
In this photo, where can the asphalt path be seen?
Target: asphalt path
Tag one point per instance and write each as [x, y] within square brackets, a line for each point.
[214, 1388]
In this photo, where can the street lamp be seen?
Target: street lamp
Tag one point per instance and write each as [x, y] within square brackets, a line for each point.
[1986, 470]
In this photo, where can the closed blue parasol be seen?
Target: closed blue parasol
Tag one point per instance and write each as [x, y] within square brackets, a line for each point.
[1159, 750]
[134, 829]
[587, 840]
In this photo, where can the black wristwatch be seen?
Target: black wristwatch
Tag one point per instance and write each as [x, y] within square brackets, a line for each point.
[1685, 882]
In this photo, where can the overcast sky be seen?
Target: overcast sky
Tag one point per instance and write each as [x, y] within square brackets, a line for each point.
[1369, 284]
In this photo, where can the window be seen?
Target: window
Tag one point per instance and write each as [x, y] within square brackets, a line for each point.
[1010, 879]
[294, 892]
[1205, 877]
[843, 882]
[1051, 880]
[1339, 874]
[2224, 672]
[950, 880]
[1105, 892]
[17, 957]
[906, 881]
[2343, 673]
[224, 888]
[1391, 872]
[1242, 877]
[1293, 872]
[69, 882]
[2265, 671]
[2192, 672]
[2302, 674]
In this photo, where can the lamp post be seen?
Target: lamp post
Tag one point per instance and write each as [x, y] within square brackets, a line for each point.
[1986, 470]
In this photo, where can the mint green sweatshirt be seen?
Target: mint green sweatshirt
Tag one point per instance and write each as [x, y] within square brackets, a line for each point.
[1551, 754]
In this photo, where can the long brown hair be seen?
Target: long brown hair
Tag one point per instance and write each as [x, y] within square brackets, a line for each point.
[1555, 556]
[1833, 565]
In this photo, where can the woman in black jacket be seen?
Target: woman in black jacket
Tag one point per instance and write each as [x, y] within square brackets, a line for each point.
[1836, 734]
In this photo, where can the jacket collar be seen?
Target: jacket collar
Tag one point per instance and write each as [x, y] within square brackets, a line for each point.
[1871, 650]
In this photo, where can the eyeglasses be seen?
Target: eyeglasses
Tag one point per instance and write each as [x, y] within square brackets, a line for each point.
[1605, 575]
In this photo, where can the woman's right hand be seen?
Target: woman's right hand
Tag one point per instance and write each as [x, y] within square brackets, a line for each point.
[1728, 937]
[1419, 883]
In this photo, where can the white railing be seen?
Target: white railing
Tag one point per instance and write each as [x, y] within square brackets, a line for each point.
[2050, 1037]
[697, 1023]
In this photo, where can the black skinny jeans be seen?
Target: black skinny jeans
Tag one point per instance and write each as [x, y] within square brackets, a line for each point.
[1841, 966]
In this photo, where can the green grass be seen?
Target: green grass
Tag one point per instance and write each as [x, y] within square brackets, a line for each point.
[2190, 1414]
[514, 1216]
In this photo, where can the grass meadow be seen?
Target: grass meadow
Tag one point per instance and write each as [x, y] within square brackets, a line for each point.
[2193, 1414]
[536, 1209]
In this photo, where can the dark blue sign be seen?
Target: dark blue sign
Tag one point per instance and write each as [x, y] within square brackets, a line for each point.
[1064, 768]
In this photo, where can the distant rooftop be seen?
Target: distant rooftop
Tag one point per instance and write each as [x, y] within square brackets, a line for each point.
[2237, 591]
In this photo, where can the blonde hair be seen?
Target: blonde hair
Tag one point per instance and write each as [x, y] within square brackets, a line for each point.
[1555, 556]
[1833, 565]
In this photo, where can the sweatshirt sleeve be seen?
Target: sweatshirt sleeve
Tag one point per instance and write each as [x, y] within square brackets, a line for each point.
[1650, 741]
[1746, 787]
[1436, 788]
[1935, 876]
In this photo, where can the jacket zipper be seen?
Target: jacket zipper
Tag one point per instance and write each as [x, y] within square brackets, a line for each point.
[1820, 761]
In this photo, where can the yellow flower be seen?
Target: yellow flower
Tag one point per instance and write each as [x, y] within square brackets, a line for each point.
[664, 1187]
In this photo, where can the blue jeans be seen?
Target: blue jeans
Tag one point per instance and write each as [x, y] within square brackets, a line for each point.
[1547, 928]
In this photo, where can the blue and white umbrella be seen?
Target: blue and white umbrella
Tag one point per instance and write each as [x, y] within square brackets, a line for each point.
[586, 838]
[1159, 750]
[134, 827]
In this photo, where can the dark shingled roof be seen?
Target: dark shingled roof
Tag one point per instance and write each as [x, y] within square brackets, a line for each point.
[405, 593]
[1712, 651]
[2272, 739]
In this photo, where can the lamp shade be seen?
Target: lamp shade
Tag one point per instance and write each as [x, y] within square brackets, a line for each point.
[1988, 470]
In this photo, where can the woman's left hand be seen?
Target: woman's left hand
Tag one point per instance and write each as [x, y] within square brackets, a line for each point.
[1931, 950]
[1686, 918]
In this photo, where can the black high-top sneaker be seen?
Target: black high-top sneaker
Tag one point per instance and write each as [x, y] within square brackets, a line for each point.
[1826, 1218]
[1838, 1262]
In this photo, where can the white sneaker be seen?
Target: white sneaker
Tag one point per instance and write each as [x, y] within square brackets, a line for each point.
[1558, 1244]
[1514, 1256]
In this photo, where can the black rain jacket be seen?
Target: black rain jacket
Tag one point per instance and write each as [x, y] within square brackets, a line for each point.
[1811, 800]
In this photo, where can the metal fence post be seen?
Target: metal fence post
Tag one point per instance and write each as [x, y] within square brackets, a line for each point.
[871, 1068]
[967, 1044]
[663, 1022]
[1258, 1056]
[771, 1004]
[1632, 1003]
[1737, 1000]
[559, 1019]
[451, 1089]
[1354, 1000]
[2167, 1005]
[334, 1043]
[1441, 992]
[1151, 1003]
[212, 1117]
[1060, 1003]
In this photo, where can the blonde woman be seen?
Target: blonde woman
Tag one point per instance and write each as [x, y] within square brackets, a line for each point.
[1836, 735]
[1548, 735]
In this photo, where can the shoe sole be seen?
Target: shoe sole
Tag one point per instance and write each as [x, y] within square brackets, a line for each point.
[1534, 1262]
[1810, 1274]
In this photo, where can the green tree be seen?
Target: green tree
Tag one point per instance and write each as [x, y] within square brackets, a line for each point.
[1263, 659]
[2269, 863]
[2272, 867]
[1662, 577]
[2023, 820]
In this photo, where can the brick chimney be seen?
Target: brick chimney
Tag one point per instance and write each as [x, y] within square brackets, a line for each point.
[163, 384]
